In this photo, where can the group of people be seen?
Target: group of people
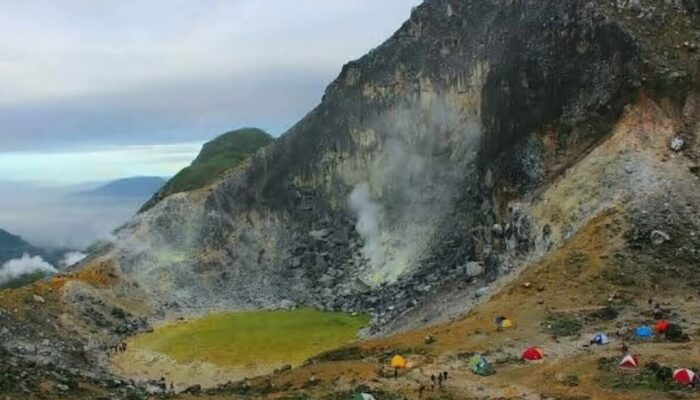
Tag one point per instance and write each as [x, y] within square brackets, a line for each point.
[117, 348]
[441, 377]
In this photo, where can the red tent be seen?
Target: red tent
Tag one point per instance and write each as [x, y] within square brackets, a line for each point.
[533, 354]
[629, 361]
[661, 326]
[684, 376]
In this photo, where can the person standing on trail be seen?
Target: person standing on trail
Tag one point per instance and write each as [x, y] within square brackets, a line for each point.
[421, 389]
[444, 373]
[440, 379]
[396, 373]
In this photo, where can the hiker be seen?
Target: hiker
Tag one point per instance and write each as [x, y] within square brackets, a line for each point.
[432, 378]
[650, 302]
[396, 373]
[445, 374]
[624, 349]
[421, 389]
[440, 380]
[172, 388]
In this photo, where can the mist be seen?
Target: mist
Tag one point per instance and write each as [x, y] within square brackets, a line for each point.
[53, 217]
[22, 266]
[369, 216]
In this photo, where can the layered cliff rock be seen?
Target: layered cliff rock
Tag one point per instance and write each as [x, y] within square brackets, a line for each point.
[417, 176]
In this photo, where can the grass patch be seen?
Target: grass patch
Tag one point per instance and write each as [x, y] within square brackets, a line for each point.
[607, 313]
[562, 325]
[258, 337]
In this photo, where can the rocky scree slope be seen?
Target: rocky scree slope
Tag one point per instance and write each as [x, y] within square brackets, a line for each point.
[412, 186]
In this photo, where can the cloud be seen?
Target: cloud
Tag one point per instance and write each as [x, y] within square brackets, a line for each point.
[97, 163]
[50, 216]
[22, 266]
[72, 257]
[183, 70]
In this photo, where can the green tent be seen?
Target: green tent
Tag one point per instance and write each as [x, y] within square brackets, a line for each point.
[480, 366]
[476, 360]
[485, 369]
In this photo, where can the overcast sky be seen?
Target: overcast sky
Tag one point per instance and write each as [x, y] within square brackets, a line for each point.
[96, 90]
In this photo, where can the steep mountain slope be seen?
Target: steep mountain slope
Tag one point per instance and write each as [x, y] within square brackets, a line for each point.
[417, 174]
[218, 155]
[483, 137]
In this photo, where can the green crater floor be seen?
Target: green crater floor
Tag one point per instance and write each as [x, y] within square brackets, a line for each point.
[257, 337]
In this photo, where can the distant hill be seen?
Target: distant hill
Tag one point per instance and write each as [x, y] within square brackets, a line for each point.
[13, 246]
[218, 155]
[134, 187]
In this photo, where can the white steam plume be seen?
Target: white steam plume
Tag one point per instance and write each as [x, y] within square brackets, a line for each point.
[369, 215]
[22, 266]
[72, 257]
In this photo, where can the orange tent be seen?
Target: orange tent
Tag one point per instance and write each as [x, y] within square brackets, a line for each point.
[661, 326]
[398, 362]
[533, 354]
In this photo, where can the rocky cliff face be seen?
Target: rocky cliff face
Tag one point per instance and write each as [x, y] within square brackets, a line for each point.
[436, 164]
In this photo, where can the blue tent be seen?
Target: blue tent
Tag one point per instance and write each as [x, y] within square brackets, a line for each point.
[600, 339]
[644, 331]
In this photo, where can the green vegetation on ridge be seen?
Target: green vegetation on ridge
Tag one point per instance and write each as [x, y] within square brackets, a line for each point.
[217, 156]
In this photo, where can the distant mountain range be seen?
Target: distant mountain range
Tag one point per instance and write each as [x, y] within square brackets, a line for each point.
[133, 187]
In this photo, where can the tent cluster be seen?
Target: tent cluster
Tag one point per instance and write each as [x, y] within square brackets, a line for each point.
[480, 366]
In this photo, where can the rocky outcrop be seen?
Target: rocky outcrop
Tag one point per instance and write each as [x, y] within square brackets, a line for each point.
[416, 181]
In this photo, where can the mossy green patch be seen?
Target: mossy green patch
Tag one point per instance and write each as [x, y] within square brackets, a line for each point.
[219, 155]
[257, 337]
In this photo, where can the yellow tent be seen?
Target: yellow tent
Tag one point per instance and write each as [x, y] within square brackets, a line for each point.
[398, 362]
[506, 323]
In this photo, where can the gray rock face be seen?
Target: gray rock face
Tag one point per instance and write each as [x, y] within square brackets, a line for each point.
[446, 125]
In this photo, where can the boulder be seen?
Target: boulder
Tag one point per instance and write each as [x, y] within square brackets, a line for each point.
[677, 144]
[319, 234]
[474, 269]
[659, 237]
